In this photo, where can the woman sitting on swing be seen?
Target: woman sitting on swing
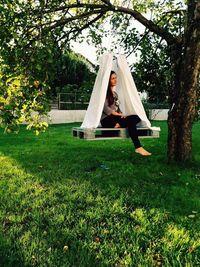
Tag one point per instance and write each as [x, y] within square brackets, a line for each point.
[112, 116]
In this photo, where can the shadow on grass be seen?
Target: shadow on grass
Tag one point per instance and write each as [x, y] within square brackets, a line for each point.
[150, 182]
[10, 254]
[56, 156]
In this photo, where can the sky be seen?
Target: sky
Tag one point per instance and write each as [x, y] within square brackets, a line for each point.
[89, 51]
[86, 50]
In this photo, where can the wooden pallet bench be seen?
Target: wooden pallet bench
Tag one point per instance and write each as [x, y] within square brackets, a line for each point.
[112, 133]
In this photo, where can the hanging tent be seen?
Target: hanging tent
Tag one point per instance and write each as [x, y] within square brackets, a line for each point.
[130, 102]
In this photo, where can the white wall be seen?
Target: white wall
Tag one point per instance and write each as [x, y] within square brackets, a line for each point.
[158, 114]
[64, 116]
[67, 116]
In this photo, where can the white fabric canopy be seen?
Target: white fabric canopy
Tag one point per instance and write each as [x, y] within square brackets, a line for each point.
[130, 102]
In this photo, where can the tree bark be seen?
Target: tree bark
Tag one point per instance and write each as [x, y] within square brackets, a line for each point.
[184, 95]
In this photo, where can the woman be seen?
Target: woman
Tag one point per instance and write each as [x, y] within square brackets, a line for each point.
[112, 116]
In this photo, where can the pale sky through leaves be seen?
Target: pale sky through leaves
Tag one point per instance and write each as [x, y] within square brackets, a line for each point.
[89, 51]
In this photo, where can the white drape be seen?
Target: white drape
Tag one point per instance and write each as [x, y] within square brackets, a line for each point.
[98, 96]
[130, 102]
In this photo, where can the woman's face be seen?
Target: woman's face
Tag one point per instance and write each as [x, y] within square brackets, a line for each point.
[113, 80]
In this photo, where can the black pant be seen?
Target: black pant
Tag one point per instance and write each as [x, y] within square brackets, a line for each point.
[128, 122]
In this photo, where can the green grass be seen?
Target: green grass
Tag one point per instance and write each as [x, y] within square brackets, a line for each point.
[68, 202]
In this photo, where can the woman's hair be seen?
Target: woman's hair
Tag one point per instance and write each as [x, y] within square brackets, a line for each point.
[109, 95]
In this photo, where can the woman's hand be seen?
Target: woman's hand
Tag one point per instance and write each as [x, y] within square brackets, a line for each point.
[118, 114]
[121, 115]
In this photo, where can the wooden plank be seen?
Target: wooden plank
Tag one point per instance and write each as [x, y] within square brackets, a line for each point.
[112, 133]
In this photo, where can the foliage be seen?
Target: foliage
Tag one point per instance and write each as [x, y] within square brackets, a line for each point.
[27, 61]
[19, 99]
[72, 74]
[65, 202]
[152, 73]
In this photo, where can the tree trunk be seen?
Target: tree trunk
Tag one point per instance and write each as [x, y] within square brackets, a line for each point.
[184, 95]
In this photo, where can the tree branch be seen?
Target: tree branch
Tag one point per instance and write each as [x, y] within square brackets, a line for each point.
[79, 30]
[149, 24]
[107, 6]
[47, 11]
[107, 2]
[62, 22]
[197, 12]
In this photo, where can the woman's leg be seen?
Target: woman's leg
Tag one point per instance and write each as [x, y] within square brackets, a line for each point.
[131, 122]
[128, 122]
[110, 121]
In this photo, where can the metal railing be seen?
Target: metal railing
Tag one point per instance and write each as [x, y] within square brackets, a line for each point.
[76, 100]
[72, 101]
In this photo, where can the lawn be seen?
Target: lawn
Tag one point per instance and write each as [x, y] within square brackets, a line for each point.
[68, 202]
